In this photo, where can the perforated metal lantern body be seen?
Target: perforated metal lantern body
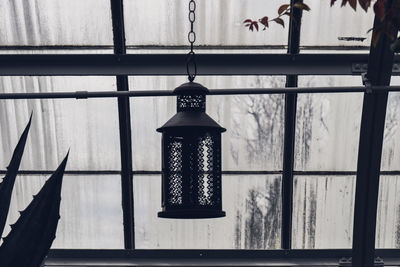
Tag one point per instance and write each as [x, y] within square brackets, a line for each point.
[191, 158]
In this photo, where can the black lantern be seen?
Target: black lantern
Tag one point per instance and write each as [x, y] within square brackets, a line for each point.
[191, 158]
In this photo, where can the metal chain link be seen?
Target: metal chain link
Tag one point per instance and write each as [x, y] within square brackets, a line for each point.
[191, 67]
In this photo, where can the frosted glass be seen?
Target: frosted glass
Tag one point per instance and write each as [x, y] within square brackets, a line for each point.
[88, 127]
[55, 51]
[202, 50]
[391, 140]
[323, 25]
[388, 215]
[91, 212]
[165, 22]
[55, 22]
[327, 127]
[254, 123]
[252, 205]
[323, 210]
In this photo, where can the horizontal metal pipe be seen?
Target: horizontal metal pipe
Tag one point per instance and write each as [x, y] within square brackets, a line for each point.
[238, 91]
[233, 172]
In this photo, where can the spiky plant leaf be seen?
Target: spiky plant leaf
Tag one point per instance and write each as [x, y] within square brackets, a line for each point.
[7, 185]
[32, 235]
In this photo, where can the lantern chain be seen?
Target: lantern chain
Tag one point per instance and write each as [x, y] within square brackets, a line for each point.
[191, 66]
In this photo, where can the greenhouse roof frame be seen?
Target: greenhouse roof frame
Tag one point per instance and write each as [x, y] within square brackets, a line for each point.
[378, 64]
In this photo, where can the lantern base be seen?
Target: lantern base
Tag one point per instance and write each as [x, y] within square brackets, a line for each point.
[191, 214]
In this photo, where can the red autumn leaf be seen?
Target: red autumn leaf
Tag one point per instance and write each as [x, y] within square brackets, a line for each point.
[365, 4]
[283, 8]
[379, 9]
[302, 6]
[353, 3]
[252, 24]
[279, 21]
[264, 21]
[255, 25]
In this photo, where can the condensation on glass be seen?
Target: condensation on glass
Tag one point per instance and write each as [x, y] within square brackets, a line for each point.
[327, 126]
[323, 211]
[335, 26]
[253, 211]
[91, 212]
[88, 127]
[388, 215]
[391, 143]
[55, 22]
[255, 122]
[165, 22]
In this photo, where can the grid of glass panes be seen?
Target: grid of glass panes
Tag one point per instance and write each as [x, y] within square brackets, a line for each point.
[327, 130]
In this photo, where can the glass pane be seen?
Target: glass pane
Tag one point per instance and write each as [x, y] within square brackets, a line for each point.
[388, 216]
[88, 127]
[57, 50]
[91, 212]
[391, 140]
[323, 211]
[341, 22]
[327, 127]
[204, 50]
[254, 123]
[55, 22]
[253, 221]
[165, 22]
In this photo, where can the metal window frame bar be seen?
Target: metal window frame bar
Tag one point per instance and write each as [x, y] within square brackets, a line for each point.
[289, 130]
[121, 65]
[181, 47]
[117, 15]
[173, 64]
[380, 65]
[295, 257]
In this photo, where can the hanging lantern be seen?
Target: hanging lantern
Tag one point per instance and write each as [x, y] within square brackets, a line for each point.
[191, 158]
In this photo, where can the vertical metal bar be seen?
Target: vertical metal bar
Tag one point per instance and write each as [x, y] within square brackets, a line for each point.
[124, 129]
[369, 152]
[289, 136]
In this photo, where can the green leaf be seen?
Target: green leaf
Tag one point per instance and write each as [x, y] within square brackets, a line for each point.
[32, 235]
[7, 185]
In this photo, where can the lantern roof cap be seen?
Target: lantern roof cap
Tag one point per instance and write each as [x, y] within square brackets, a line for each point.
[191, 120]
[191, 88]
